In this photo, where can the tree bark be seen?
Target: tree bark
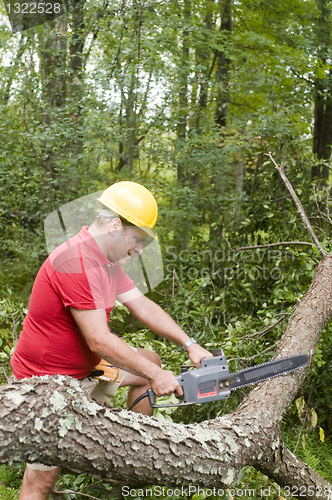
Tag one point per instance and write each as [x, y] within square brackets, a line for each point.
[223, 66]
[76, 77]
[183, 73]
[51, 420]
[203, 61]
[53, 78]
[52, 52]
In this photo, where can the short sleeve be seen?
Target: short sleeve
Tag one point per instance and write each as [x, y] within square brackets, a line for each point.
[123, 282]
[80, 290]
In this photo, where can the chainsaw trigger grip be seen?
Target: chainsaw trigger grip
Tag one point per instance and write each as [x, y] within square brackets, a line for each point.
[151, 396]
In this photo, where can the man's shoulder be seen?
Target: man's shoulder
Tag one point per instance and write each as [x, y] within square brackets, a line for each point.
[76, 255]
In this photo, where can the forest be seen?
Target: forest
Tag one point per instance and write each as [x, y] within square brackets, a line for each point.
[189, 99]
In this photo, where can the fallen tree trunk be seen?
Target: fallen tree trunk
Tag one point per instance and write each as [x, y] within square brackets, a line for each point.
[51, 420]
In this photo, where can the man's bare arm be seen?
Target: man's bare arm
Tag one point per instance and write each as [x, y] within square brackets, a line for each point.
[93, 325]
[161, 323]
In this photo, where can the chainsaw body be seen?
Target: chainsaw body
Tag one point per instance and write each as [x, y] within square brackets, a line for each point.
[206, 383]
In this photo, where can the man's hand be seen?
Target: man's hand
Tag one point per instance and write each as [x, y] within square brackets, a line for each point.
[196, 353]
[163, 383]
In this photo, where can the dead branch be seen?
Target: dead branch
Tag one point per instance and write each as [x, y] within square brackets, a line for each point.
[297, 202]
[267, 245]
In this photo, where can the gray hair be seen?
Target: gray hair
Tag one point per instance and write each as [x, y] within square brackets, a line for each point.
[106, 215]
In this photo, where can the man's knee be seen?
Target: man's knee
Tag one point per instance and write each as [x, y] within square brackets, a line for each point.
[136, 381]
[150, 355]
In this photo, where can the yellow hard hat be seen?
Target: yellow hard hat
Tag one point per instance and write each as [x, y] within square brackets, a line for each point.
[134, 203]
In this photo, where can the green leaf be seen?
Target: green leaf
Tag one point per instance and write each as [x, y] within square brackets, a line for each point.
[313, 417]
[300, 403]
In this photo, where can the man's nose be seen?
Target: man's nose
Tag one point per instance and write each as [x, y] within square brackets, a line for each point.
[139, 249]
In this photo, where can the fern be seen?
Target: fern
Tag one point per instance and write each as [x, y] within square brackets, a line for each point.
[5, 474]
[316, 454]
[11, 477]
[8, 493]
[312, 460]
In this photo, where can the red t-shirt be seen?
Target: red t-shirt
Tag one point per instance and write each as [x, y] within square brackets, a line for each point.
[77, 274]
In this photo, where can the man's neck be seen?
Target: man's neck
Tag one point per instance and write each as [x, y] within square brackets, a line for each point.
[99, 234]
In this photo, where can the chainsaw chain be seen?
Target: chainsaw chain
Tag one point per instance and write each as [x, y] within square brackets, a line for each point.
[268, 378]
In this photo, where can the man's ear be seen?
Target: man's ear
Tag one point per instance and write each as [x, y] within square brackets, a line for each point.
[114, 225]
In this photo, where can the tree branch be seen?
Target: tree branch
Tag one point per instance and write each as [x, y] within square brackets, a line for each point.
[242, 249]
[267, 329]
[297, 202]
[286, 466]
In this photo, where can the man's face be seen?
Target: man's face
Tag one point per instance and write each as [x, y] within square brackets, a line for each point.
[128, 241]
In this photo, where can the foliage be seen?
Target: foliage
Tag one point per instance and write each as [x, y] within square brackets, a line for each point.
[8, 493]
[12, 315]
[10, 481]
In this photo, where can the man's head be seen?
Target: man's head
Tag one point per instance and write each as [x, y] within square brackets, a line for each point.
[133, 203]
[117, 238]
[128, 215]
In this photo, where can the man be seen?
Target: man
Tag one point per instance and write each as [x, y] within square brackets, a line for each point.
[66, 329]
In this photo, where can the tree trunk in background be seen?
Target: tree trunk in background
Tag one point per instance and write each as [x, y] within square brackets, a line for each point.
[123, 156]
[223, 64]
[322, 138]
[183, 91]
[203, 56]
[62, 92]
[53, 76]
[76, 76]
[131, 87]
[53, 60]
[222, 99]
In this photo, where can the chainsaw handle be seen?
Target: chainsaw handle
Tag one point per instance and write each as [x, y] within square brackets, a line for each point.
[152, 401]
[151, 396]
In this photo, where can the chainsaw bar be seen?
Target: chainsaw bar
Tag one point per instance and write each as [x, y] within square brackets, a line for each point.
[266, 371]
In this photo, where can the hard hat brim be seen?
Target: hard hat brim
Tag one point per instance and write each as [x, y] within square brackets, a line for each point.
[149, 232]
[136, 223]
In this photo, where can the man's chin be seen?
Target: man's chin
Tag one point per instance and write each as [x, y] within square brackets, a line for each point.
[123, 261]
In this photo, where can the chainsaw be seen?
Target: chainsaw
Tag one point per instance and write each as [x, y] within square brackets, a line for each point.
[213, 382]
